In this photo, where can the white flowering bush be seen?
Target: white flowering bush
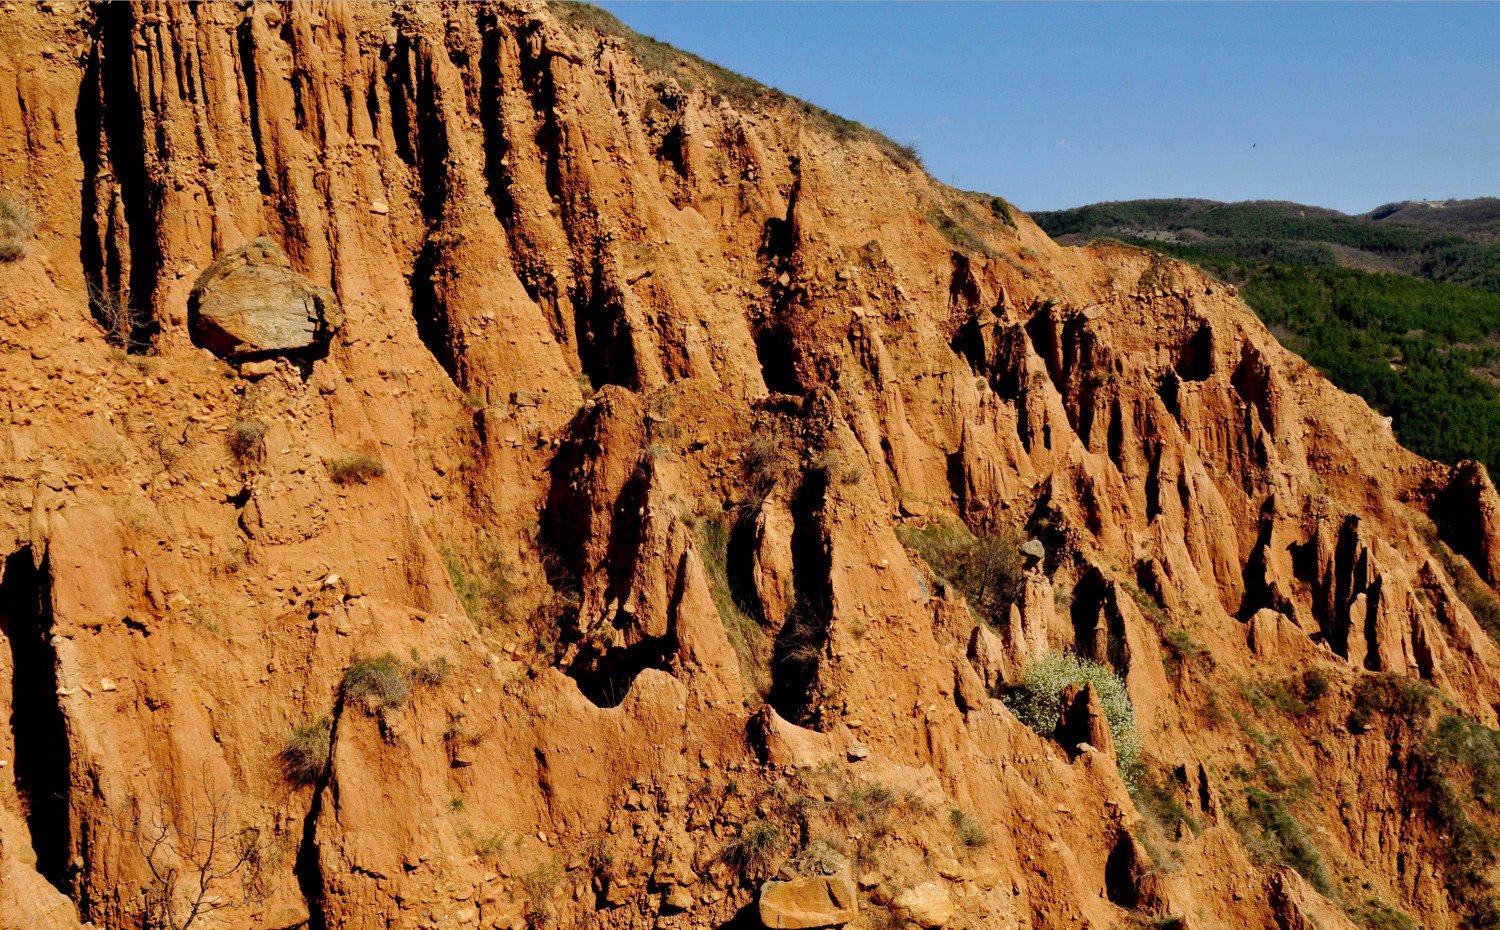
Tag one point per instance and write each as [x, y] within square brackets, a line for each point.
[1034, 701]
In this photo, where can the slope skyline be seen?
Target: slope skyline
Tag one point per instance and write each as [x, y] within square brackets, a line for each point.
[1347, 107]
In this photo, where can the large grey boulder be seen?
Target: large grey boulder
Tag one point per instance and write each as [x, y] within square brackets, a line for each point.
[250, 302]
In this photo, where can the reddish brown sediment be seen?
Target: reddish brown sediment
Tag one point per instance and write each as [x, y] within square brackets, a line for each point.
[590, 310]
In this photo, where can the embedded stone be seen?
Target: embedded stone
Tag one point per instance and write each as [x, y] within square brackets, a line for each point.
[810, 901]
[250, 302]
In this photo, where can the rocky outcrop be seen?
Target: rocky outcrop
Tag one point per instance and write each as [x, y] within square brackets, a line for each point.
[1296, 906]
[809, 901]
[1470, 509]
[1081, 721]
[250, 302]
[927, 905]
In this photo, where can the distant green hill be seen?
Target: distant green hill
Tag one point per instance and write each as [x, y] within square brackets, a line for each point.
[1463, 252]
[1479, 217]
[1405, 315]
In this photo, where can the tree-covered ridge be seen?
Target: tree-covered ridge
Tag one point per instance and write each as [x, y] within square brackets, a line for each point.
[1275, 231]
[1424, 352]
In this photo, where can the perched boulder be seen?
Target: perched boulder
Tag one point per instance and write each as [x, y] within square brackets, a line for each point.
[810, 901]
[250, 302]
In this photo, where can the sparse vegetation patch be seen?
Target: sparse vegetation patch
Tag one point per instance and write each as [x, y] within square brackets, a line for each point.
[385, 682]
[245, 438]
[1274, 834]
[483, 586]
[16, 228]
[305, 756]
[957, 234]
[985, 569]
[751, 644]
[970, 832]
[358, 468]
[755, 847]
[378, 683]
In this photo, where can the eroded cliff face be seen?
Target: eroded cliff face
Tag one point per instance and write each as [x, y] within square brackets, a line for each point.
[641, 371]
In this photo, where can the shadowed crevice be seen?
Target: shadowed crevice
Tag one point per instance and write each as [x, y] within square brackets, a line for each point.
[37, 723]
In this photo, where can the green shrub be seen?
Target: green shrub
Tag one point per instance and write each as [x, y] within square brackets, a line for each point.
[1397, 697]
[491, 846]
[799, 647]
[1375, 914]
[1002, 211]
[484, 588]
[767, 461]
[1314, 686]
[378, 683]
[357, 468]
[1274, 833]
[305, 756]
[16, 228]
[538, 887]
[835, 467]
[751, 644]
[970, 832]
[245, 438]
[868, 805]
[1158, 798]
[1286, 695]
[1035, 702]
[985, 569]
[755, 848]
[1183, 649]
[459, 735]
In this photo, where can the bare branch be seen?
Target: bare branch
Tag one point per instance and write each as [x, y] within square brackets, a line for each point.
[183, 842]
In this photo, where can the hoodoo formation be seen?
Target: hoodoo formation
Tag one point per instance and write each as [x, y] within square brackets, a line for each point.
[469, 466]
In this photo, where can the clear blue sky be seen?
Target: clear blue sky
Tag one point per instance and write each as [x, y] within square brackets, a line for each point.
[1055, 105]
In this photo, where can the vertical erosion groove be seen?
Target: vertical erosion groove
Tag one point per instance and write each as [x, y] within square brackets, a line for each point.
[37, 726]
[119, 251]
[497, 173]
[606, 350]
[308, 867]
[421, 135]
[799, 646]
[245, 44]
[604, 669]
